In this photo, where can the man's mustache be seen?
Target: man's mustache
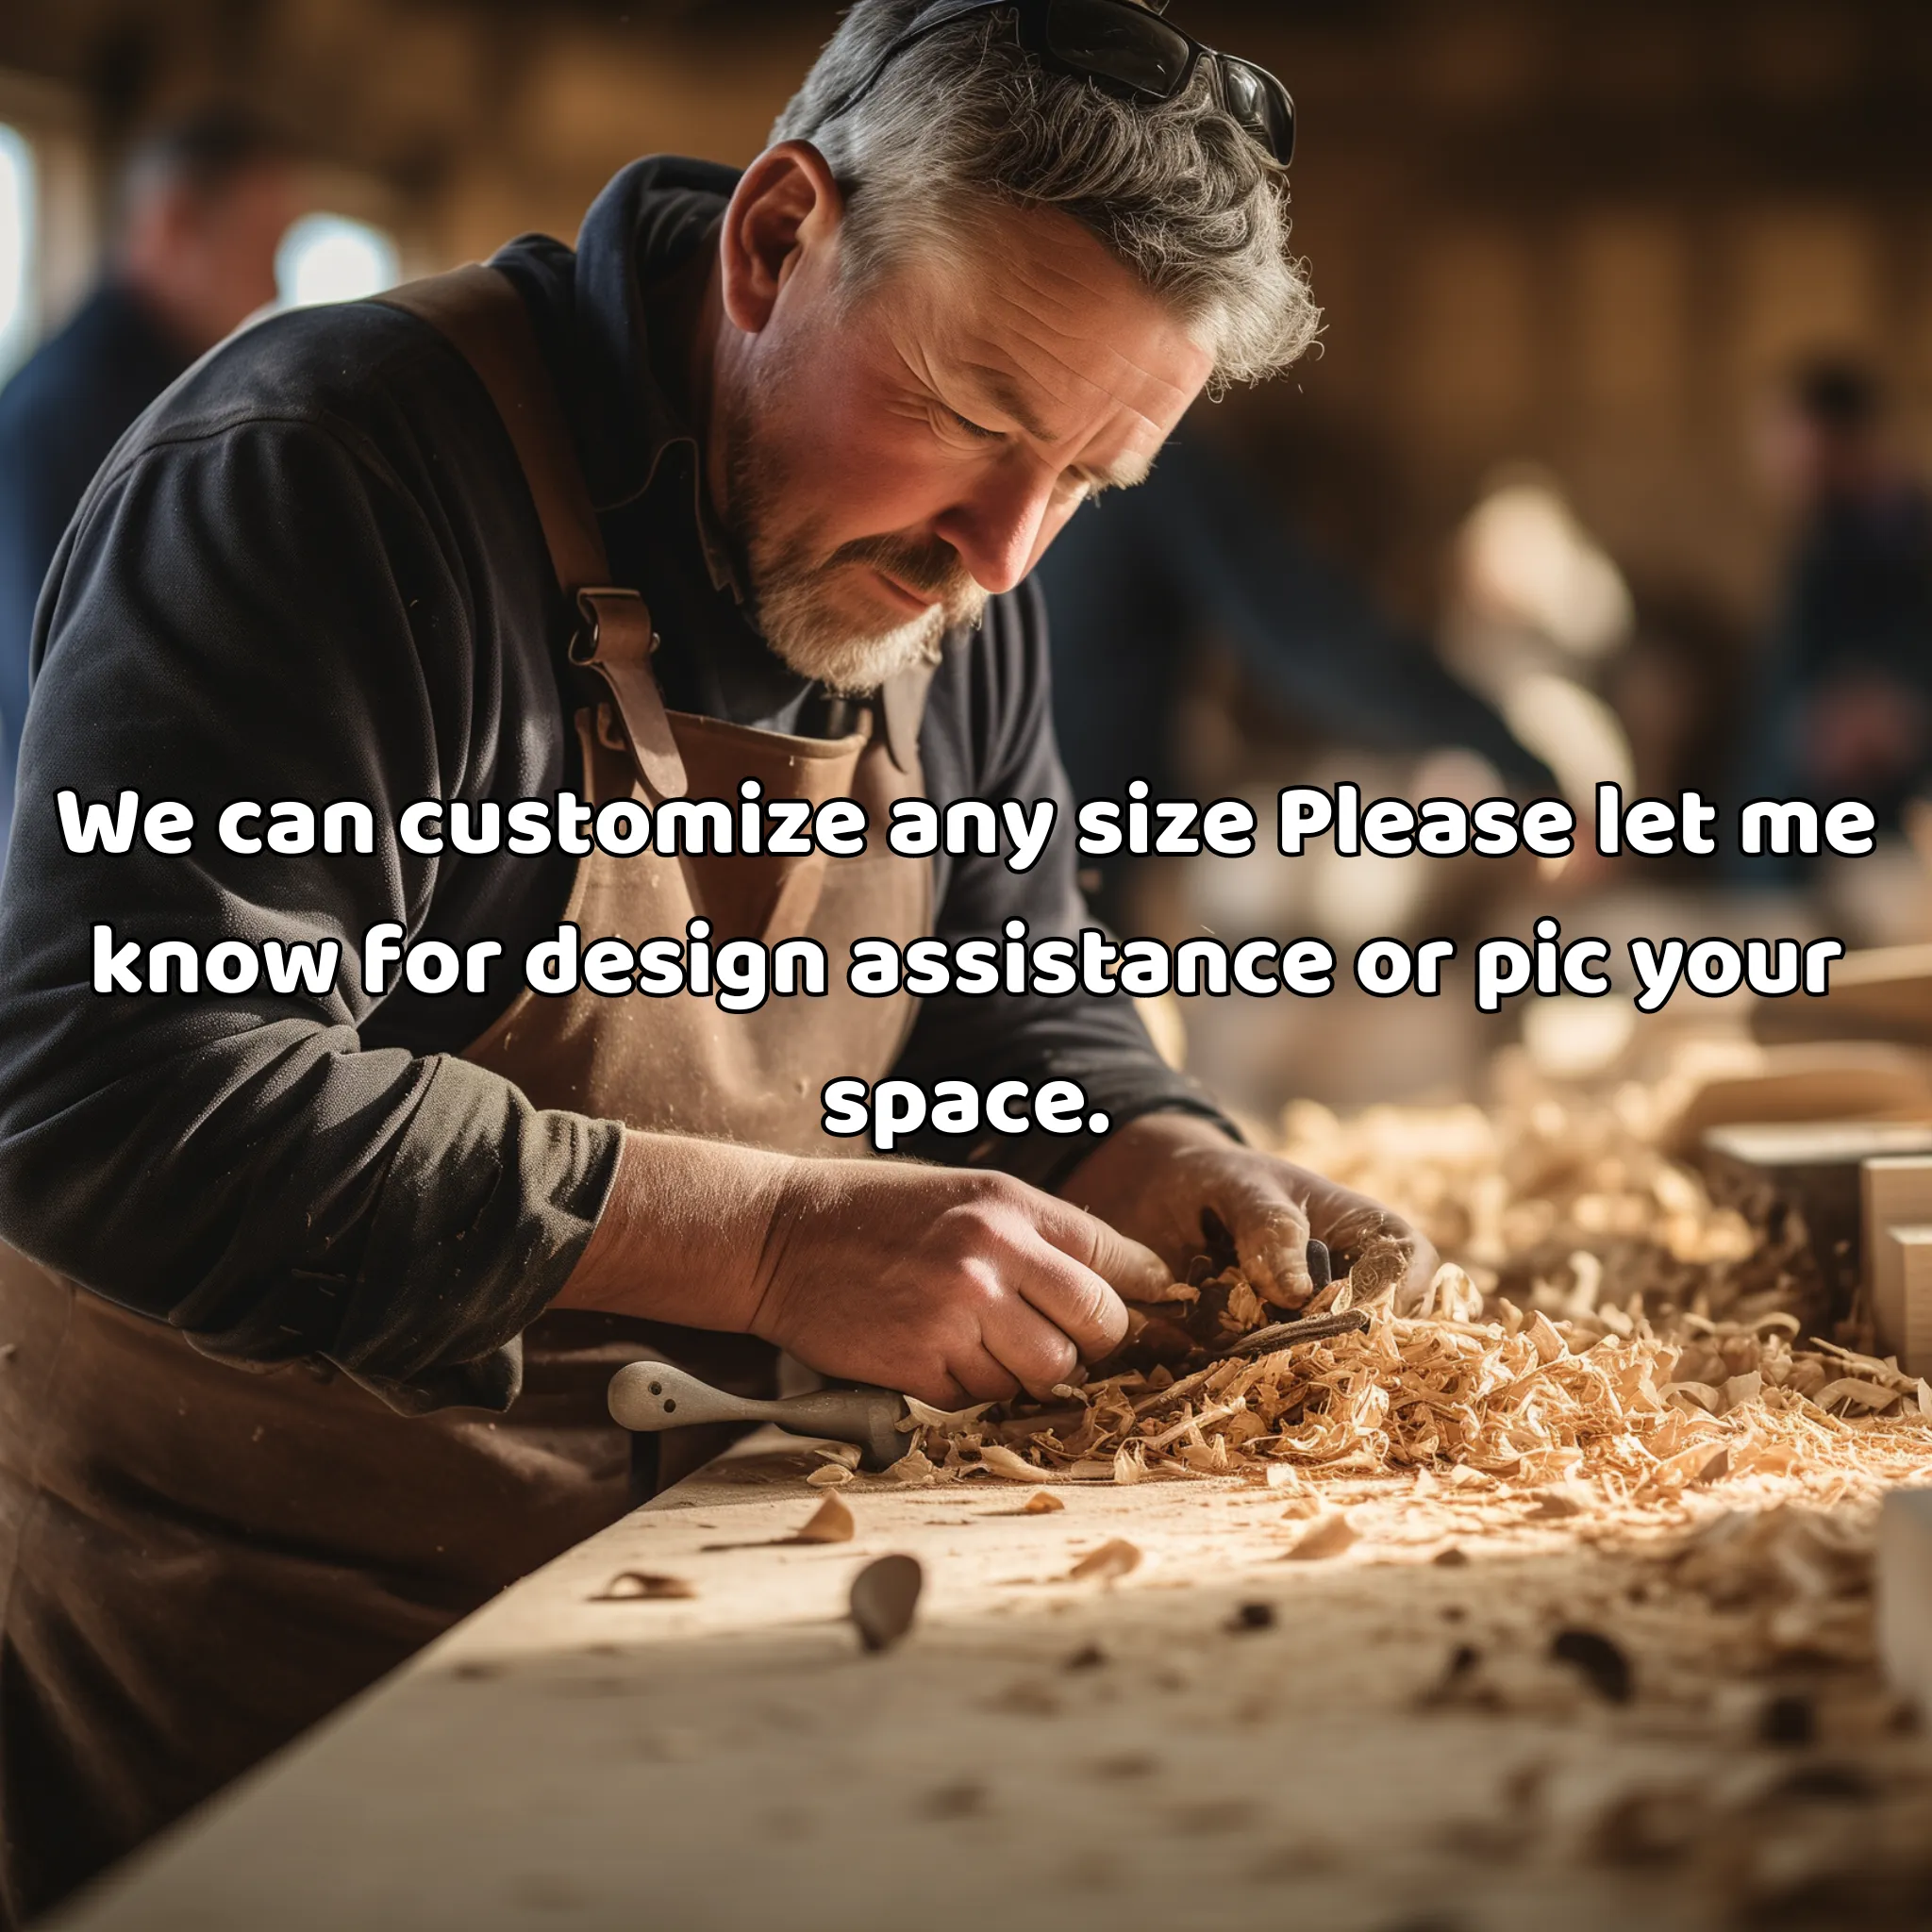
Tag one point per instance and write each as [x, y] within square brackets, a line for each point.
[931, 569]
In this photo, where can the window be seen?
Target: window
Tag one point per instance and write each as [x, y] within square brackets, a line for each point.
[326, 258]
[17, 315]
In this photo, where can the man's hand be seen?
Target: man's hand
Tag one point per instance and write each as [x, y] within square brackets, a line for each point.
[953, 1286]
[1161, 1176]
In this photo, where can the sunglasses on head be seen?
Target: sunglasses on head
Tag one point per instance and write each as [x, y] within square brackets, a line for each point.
[1123, 45]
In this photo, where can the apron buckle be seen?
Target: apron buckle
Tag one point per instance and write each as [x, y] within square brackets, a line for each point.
[624, 614]
[616, 640]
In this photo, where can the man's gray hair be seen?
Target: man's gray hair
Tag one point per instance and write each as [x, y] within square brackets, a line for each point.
[1177, 190]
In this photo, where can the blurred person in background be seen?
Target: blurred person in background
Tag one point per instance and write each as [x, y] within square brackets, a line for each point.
[1846, 682]
[203, 204]
[1137, 578]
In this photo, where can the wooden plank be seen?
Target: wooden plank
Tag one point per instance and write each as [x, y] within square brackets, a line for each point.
[1905, 1594]
[1817, 1167]
[1885, 992]
[1838, 1081]
[1905, 1330]
[1895, 1192]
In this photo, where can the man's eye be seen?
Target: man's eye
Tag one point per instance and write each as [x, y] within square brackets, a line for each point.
[971, 428]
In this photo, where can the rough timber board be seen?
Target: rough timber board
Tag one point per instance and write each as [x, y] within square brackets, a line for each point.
[1897, 1191]
[1908, 1332]
[1905, 1596]
[731, 1760]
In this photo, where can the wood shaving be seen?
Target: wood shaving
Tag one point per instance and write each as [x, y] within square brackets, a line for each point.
[1114, 1560]
[919, 1413]
[636, 1586]
[1327, 1537]
[1555, 1506]
[1040, 1504]
[830, 1522]
[830, 1477]
[1001, 1461]
[914, 1469]
[885, 1595]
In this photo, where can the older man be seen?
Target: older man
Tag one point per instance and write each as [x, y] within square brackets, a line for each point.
[824, 416]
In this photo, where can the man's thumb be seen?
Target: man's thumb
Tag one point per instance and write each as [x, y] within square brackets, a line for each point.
[1134, 1273]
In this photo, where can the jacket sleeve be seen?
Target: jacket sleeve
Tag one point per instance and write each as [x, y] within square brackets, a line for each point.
[261, 612]
[1001, 704]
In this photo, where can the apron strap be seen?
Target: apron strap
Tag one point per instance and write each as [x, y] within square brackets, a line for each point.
[616, 641]
[902, 701]
[478, 310]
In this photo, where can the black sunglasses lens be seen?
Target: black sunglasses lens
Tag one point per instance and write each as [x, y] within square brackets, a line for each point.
[1260, 104]
[1121, 44]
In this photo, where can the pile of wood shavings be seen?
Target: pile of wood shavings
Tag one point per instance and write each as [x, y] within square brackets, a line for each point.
[1601, 1323]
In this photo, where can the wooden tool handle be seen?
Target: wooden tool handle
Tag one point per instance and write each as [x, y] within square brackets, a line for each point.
[647, 1397]
[650, 1396]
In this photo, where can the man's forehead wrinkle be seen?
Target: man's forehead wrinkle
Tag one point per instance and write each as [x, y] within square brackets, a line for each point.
[1120, 377]
[1044, 280]
[1119, 373]
[915, 354]
[1124, 384]
[1007, 394]
[1134, 439]
[1019, 336]
[1051, 303]
[1062, 291]
[1053, 270]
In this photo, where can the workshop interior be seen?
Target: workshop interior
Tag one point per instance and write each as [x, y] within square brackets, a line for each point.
[1487, 1478]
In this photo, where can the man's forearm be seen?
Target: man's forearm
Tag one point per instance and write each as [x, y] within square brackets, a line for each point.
[681, 1234]
[955, 1286]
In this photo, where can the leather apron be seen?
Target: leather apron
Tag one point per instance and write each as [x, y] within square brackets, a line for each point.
[198, 1562]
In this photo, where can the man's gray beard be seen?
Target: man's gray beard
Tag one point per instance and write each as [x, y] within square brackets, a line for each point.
[788, 585]
[815, 643]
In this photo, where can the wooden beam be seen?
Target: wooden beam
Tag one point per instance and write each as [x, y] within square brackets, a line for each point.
[1904, 1320]
[1896, 1220]
[1905, 1596]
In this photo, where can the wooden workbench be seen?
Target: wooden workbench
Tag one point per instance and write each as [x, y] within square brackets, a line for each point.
[1039, 1752]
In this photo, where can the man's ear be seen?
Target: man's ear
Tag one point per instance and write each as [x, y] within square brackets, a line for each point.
[786, 204]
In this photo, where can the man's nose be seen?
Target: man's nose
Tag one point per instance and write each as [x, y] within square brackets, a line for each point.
[997, 529]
